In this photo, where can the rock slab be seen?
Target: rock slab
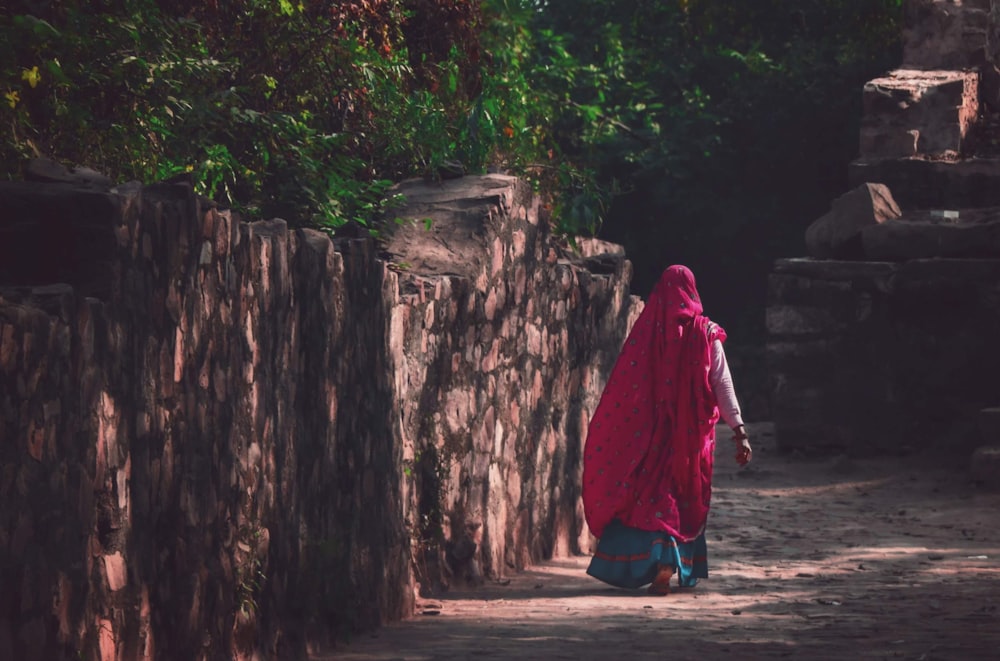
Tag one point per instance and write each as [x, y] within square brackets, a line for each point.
[913, 112]
[836, 233]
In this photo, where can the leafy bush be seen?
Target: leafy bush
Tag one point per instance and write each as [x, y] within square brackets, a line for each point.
[272, 107]
[722, 127]
[664, 121]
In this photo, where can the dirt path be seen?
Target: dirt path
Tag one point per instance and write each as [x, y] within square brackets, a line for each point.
[832, 559]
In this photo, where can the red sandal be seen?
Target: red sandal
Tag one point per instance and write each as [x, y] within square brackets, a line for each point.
[661, 584]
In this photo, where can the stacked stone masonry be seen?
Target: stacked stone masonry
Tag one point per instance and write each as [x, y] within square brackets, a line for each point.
[945, 34]
[909, 113]
[883, 340]
[922, 124]
[882, 357]
[240, 440]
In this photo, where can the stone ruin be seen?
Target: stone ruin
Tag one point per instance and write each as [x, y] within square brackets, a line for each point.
[222, 439]
[884, 339]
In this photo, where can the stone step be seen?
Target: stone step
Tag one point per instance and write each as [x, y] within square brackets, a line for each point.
[920, 183]
[859, 337]
[867, 224]
[911, 112]
[909, 238]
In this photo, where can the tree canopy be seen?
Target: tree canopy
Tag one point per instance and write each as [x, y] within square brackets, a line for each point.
[702, 131]
[742, 116]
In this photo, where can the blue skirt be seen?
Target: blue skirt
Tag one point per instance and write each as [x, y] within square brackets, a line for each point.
[630, 558]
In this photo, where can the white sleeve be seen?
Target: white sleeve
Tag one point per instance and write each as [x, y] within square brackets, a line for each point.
[722, 385]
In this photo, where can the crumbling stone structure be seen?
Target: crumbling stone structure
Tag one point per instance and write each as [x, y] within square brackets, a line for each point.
[222, 439]
[883, 339]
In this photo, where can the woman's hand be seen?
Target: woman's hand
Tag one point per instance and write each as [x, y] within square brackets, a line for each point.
[744, 453]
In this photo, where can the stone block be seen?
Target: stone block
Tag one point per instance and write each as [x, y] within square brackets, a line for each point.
[794, 290]
[944, 34]
[918, 113]
[900, 240]
[45, 170]
[825, 270]
[942, 274]
[801, 358]
[116, 571]
[993, 33]
[892, 356]
[591, 247]
[918, 183]
[464, 210]
[795, 320]
[877, 142]
[836, 233]
[990, 88]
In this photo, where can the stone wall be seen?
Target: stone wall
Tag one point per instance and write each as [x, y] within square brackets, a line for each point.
[502, 342]
[882, 357]
[222, 439]
[882, 340]
[928, 129]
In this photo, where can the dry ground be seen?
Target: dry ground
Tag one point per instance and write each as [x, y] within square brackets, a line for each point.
[831, 559]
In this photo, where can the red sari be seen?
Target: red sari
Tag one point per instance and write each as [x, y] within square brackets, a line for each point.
[651, 441]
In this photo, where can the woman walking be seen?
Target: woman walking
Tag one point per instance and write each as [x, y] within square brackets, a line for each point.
[647, 478]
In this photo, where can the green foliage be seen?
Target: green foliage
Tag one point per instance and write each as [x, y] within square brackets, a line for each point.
[265, 104]
[250, 578]
[721, 127]
[544, 110]
[308, 111]
[108, 86]
[657, 123]
[662, 88]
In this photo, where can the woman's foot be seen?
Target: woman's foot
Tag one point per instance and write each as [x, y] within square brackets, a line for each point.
[661, 583]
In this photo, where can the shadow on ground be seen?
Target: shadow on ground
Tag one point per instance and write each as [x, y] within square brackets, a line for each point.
[819, 559]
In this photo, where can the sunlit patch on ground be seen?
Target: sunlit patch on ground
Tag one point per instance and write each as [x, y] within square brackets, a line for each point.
[808, 559]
